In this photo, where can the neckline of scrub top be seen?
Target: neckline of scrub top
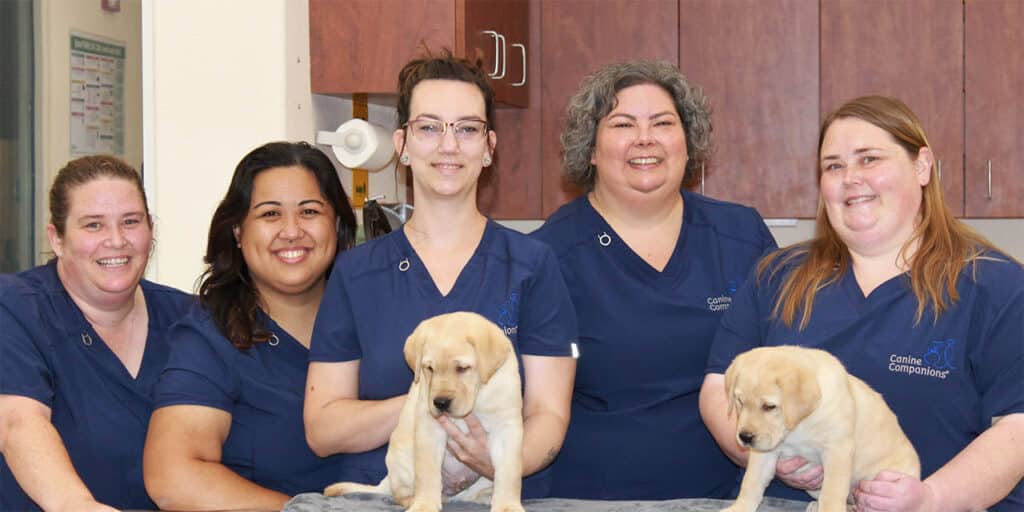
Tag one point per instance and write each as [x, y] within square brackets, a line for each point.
[414, 265]
[604, 237]
[286, 341]
[881, 294]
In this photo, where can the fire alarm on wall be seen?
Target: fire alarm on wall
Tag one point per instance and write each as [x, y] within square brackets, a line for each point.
[111, 5]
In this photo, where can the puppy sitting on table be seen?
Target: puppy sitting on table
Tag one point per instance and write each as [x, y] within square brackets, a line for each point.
[463, 363]
[801, 401]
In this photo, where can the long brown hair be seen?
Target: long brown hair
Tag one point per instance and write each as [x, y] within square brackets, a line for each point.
[945, 246]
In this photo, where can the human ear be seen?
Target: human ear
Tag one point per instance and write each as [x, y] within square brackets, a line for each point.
[923, 165]
[56, 242]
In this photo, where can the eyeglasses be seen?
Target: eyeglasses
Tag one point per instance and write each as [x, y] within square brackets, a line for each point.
[432, 130]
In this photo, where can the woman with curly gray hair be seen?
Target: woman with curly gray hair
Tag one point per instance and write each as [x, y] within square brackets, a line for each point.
[651, 268]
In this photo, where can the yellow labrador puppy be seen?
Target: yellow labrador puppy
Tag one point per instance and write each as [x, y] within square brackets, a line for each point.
[462, 363]
[800, 401]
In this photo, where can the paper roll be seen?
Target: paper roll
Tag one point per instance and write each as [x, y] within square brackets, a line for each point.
[359, 144]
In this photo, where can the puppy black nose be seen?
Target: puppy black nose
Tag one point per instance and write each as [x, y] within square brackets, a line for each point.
[746, 438]
[442, 403]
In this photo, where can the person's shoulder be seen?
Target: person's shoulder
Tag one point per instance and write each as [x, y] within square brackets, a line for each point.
[564, 229]
[515, 246]
[732, 220]
[369, 257]
[996, 273]
[22, 287]
[167, 293]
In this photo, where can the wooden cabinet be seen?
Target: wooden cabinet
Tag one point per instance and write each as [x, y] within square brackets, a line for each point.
[578, 37]
[511, 188]
[994, 127]
[910, 49]
[361, 45]
[757, 61]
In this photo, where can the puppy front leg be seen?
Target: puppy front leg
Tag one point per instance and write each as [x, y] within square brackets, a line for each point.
[837, 461]
[760, 471]
[506, 448]
[428, 448]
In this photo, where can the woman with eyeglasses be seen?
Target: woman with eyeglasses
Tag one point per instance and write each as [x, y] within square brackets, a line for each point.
[448, 257]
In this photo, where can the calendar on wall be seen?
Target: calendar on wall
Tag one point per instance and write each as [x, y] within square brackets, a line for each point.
[97, 95]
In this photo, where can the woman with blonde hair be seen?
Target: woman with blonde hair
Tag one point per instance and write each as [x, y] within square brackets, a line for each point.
[913, 302]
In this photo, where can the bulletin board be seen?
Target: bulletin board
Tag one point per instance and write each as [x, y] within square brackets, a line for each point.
[97, 95]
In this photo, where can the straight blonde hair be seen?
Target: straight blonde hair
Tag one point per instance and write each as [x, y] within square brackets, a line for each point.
[945, 246]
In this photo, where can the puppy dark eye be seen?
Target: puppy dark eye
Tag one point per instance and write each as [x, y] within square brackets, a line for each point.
[768, 407]
[428, 368]
[461, 369]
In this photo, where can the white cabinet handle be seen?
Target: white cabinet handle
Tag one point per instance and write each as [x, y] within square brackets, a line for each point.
[522, 47]
[503, 58]
[497, 46]
[989, 177]
[702, 178]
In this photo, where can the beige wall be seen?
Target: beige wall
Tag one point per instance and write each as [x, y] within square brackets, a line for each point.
[55, 20]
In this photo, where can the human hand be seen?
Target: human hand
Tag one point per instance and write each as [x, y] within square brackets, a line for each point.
[892, 491]
[796, 472]
[470, 448]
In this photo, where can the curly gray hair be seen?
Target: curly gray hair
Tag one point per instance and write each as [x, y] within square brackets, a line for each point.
[596, 98]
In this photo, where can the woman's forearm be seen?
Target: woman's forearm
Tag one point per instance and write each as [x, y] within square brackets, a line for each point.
[714, 410]
[543, 434]
[179, 483]
[985, 471]
[351, 426]
[40, 463]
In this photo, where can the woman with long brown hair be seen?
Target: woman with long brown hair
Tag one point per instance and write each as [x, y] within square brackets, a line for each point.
[913, 302]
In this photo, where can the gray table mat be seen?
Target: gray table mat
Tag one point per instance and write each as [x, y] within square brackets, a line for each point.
[313, 502]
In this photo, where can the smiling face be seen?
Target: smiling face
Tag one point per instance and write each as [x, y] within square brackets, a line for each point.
[870, 186]
[446, 166]
[641, 147]
[289, 235]
[107, 237]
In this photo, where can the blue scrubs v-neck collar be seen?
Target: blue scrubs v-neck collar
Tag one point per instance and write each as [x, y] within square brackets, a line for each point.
[605, 237]
[80, 332]
[412, 264]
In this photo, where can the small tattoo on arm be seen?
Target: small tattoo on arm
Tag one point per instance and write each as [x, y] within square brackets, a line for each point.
[549, 457]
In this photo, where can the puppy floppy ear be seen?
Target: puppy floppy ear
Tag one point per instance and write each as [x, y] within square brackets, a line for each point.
[800, 395]
[492, 348]
[412, 349]
[731, 375]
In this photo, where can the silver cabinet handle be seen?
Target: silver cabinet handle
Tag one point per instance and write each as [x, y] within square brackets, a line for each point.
[503, 58]
[497, 55]
[989, 178]
[522, 47]
[938, 167]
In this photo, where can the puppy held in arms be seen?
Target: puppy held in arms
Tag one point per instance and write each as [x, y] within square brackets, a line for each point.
[462, 364]
[800, 401]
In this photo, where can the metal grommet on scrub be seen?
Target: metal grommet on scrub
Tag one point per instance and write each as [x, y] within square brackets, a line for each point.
[403, 265]
[274, 340]
[86, 339]
[604, 239]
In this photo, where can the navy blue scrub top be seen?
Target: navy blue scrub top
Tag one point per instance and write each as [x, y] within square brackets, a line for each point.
[262, 388]
[50, 352]
[944, 379]
[636, 432]
[380, 291]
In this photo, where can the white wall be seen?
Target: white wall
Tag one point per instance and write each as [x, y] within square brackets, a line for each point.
[224, 77]
[55, 20]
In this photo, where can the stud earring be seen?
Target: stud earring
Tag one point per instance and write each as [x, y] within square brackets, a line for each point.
[404, 160]
[487, 160]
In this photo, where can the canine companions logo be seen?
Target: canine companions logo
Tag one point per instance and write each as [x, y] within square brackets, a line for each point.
[937, 360]
[722, 302]
[508, 315]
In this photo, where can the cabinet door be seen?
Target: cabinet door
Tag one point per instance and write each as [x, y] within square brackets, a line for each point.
[757, 61]
[496, 33]
[994, 111]
[361, 45]
[510, 189]
[910, 49]
[579, 37]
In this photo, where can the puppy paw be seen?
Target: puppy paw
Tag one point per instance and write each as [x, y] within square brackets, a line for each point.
[507, 507]
[422, 506]
[337, 489]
